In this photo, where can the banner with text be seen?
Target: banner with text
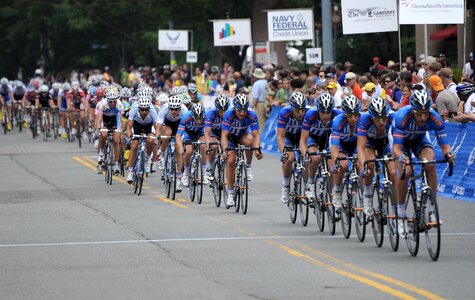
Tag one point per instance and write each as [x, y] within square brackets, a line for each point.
[366, 16]
[173, 40]
[232, 32]
[431, 12]
[290, 25]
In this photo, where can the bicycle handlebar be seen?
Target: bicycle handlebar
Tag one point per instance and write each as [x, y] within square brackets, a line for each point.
[384, 158]
[209, 150]
[243, 148]
[426, 162]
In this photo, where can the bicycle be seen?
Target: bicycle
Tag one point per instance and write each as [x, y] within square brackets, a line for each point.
[241, 185]
[420, 207]
[33, 121]
[352, 205]
[55, 124]
[196, 172]
[385, 212]
[4, 119]
[108, 162]
[19, 116]
[217, 184]
[45, 123]
[139, 167]
[297, 196]
[323, 193]
[169, 176]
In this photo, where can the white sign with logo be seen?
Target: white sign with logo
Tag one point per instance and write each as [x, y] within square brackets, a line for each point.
[290, 25]
[431, 12]
[365, 16]
[313, 55]
[173, 40]
[232, 32]
[191, 57]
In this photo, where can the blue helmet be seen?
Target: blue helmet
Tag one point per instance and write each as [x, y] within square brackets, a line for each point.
[378, 107]
[297, 100]
[325, 102]
[221, 102]
[351, 104]
[197, 110]
[241, 101]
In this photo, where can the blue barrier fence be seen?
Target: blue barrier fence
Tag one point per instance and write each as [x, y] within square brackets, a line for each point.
[460, 186]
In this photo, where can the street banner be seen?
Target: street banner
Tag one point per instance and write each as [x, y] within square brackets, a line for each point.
[232, 32]
[367, 16]
[431, 12]
[173, 40]
[290, 24]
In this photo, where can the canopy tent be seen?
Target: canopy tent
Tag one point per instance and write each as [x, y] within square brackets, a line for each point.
[444, 33]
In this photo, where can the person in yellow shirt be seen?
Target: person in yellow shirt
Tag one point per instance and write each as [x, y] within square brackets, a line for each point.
[201, 81]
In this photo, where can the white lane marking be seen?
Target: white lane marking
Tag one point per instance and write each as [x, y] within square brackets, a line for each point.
[238, 238]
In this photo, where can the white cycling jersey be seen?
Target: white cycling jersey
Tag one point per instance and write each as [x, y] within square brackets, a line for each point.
[164, 115]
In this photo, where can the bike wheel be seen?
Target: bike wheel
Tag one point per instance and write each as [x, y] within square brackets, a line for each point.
[322, 197]
[377, 221]
[391, 217]
[78, 131]
[121, 162]
[4, 121]
[20, 120]
[359, 215]
[292, 204]
[141, 173]
[237, 189]
[412, 230]
[55, 126]
[192, 184]
[302, 201]
[244, 187]
[346, 209]
[172, 177]
[431, 229]
[110, 163]
[331, 215]
[199, 184]
[217, 184]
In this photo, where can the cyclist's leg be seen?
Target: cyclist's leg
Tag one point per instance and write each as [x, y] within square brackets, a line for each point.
[186, 138]
[246, 140]
[82, 116]
[427, 152]
[368, 178]
[9, 111]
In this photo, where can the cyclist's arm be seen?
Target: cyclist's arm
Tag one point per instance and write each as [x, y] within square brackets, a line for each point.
[207, 135]
[224, 139]
[179, 144]
[303, 141]
[335, 141]
[98, 121]
[256, 141]
[361, 146]
[129, 127]
[157, 133]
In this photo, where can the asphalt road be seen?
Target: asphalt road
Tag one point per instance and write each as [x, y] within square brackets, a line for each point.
[65, 234]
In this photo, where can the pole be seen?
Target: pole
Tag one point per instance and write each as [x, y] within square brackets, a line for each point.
[172, 53]
[399, 39]
[327, 38]
[191, 47]
[426, 47]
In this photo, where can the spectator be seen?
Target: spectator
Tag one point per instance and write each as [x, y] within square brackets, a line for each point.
[336, 93]
[258, 92]
[377, 65]
[201, 81]
[467, 70]
[309, 87]
[271, 95]
[449, 84]
[369, 90]
[352, 86]
[238, 80]
[392, 65]
[389, 85]
[406, 95]
[446, 102]
[221, 84]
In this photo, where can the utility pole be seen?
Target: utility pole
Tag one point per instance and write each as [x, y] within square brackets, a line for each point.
[327, 37]
[172, 53]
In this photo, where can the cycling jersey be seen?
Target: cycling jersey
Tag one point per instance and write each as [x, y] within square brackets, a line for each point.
[5, 92]
[367, 128]
[237, 128]
[199, 97]
[319, 132]
[214, 121]
[54, 93]
[76, 98]
[342, 136]
[165, 116]
[292, 126]
[412, 136]
[30, 97]
[44, 100]
[19, 92]
[63, 104]
[150, 118]
[110, 116]
[188, 128]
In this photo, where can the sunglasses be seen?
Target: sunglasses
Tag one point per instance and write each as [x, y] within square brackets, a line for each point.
[145, 109]
[112, 101]
[388, 81]
[352, 115]
[175, 109]
[298, 110]
[380, 118]
[240, 110]
[420, 113]
[372, 91]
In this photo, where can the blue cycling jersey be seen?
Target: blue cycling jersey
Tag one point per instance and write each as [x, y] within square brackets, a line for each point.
[312, 122]
[287, 121]
[188, 124]
[238, 127]
[341, 131]
[213, 120]
[5, 92]
[367, 128]
[405, 127]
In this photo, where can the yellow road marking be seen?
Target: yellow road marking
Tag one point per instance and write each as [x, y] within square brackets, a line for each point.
[170, 201]
[92, 167]
[372, 283]
[382, 277]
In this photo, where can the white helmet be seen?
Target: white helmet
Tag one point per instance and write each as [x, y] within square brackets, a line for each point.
[44, 88]
[325, 102]
[175, 102]
[351, 104]
[125, 92]
[66, 86]
[4, 81]
[19, 84]
[192, 88]
[112, 92]
[56, 86]
[221, 102]
[162, 98]
[175, 91]
[143, 102]
[186, 98]
[197, 110]
[183, 89]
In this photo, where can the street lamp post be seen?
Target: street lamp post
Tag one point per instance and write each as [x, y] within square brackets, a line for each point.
[335, 20]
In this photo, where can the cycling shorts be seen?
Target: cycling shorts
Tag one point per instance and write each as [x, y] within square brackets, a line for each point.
[380, 146]
[110, 122]
[173, 125]
[321, 142]
[138, 128]
[188, 136]
[416, 145]
[348, 148]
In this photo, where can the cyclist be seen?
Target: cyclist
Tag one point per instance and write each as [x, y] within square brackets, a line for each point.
[6, 96]
[19, 92]
[316, 129]
[240, 126]
[411, 124]
[168, 121]
[214, 118]
[76, 100]
[108, 116]
[29, 99]
[373, 141]
[343, 142]
[93, 101]
[191, 129]
[187, 100]
[142, 119]
[63, 107]
[193, 92]
[288, 135]
[45, 100]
